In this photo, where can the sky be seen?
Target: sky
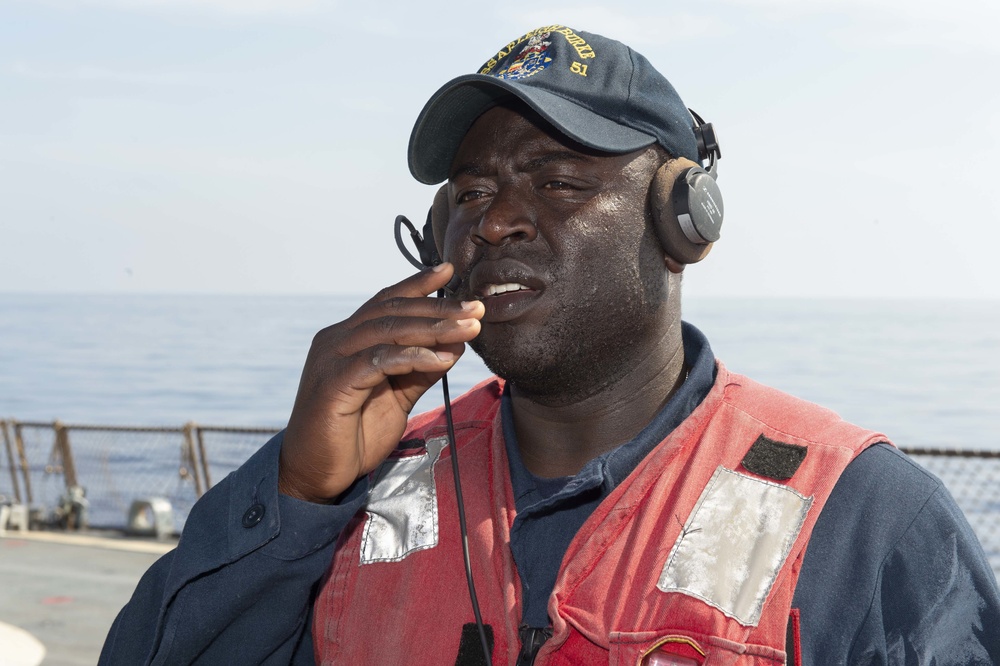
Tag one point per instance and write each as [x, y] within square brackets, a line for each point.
[258, 146]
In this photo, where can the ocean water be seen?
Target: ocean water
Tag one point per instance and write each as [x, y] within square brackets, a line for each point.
[925, 373]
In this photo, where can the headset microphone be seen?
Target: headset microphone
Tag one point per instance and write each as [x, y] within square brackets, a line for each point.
[427, 253]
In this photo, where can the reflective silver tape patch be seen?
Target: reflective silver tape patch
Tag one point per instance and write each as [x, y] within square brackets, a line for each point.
[402, 507]
[735, 543]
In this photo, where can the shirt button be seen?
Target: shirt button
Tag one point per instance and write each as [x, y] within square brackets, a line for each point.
[254, 515]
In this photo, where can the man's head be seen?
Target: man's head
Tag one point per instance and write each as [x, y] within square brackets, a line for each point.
[550, 153]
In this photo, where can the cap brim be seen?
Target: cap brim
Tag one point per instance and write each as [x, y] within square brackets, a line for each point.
[452, 110]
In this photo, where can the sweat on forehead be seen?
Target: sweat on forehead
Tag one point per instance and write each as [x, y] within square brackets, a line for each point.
[594, 90]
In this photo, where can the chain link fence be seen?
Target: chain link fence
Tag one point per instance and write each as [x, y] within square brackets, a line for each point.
[43, 462]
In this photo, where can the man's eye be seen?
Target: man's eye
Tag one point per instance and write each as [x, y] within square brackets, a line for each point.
[558, 185]
[470, 195]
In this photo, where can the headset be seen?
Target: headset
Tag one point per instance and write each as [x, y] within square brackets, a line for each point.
[686, 201]
[687, 211]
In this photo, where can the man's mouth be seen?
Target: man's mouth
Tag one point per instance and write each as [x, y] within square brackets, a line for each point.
[506, 301]
[507, 288]
[497, 289]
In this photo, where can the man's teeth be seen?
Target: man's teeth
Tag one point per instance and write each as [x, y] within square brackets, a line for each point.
[494, 289]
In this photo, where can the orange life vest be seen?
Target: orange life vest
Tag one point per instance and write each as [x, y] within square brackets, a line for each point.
[696, 553]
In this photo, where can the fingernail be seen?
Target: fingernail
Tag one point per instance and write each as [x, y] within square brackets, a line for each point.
[469, 305]
[445, 356]
[437, 268]
[464, 323]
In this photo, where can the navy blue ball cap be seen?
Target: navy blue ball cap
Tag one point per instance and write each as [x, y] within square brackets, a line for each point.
[595, 90]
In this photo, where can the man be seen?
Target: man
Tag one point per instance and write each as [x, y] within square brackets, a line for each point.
[629, 500]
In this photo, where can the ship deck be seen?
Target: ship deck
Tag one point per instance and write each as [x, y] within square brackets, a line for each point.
[62, 591]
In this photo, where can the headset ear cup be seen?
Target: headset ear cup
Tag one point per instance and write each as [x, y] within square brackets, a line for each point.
[439, 218]
[675, 243]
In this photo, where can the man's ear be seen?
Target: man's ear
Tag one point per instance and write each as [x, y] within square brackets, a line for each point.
[673, 265]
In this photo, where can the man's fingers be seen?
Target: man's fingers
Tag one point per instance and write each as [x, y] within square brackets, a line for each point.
[408, 332]
[411, 386]
[422, 306]
[418, 306]
[367, 369]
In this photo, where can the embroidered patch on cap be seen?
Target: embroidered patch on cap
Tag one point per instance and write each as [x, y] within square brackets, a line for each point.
[775, 460]
[402, 505]
[734, 543]
[532, 59]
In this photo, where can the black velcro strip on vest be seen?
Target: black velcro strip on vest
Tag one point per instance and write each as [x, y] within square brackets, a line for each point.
[470, 649]
[775, 460]
[408, 444]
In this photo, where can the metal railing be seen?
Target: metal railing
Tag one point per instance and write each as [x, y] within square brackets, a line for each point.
[117, 465]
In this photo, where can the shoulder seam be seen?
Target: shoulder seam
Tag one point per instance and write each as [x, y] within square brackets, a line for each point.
[783, 432]
[891, 551]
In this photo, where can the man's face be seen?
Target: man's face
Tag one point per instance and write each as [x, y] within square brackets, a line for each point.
[555, 240]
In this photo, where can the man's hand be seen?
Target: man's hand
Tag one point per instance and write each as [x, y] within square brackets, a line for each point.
[362, 378]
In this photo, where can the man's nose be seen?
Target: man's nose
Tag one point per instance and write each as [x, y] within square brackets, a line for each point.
[509, 218]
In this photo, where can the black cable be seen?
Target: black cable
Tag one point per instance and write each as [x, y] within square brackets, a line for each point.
[461, 522]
